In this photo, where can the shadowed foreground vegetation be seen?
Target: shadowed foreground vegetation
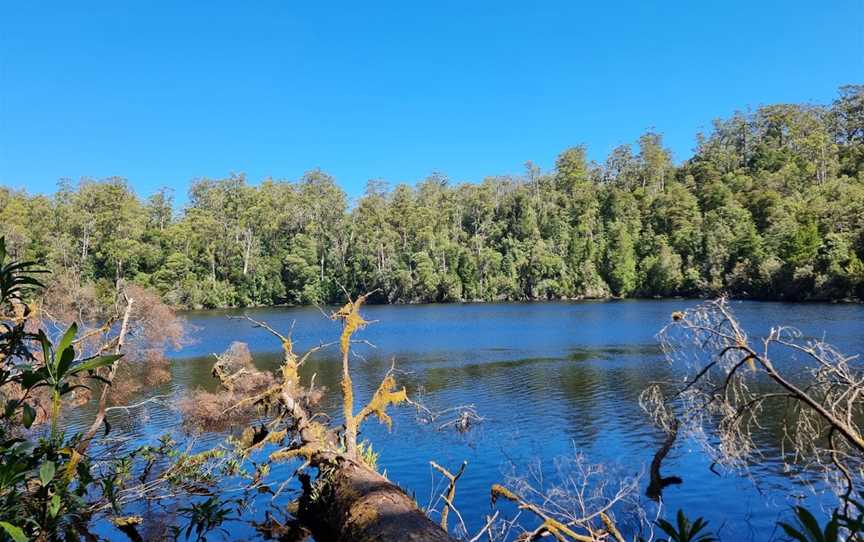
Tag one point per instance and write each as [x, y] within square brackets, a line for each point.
[770, 206]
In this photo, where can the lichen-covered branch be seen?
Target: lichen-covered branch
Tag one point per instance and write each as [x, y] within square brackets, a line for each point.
[348, 500]
[351, 322]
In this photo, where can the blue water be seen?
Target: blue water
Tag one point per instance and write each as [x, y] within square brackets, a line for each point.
[549, 379]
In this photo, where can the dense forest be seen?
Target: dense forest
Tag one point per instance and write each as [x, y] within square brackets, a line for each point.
[770, 206]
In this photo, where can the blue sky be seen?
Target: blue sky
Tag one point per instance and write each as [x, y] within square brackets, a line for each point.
[164, 92]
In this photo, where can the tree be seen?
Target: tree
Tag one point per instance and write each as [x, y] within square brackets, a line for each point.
[621, 260]
[749, 213]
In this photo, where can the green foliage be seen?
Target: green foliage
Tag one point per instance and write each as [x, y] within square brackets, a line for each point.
[49, 489]
[684, 530]
[621, 260]
[43, 484]
[840, 528]
[771, 205]
[203, 518]
[368, 455]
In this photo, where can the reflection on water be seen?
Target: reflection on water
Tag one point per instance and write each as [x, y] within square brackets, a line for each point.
[546, 378]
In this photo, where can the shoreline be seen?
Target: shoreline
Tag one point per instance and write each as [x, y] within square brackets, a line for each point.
[845, 301]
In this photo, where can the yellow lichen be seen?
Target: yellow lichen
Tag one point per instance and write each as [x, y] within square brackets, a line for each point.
[307, 452]
[384, 396]
[352, 321]
[127, 520]
[317, 432]
[500, 491]
[254, 399]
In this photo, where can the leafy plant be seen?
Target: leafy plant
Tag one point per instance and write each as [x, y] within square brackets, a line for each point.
[368, 455]
[684, 530]
[49, 489]
[204, 517]
[43, 484]
[840, 528]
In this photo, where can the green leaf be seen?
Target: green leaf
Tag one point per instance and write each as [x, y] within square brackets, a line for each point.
[11, 405]
[28, 416]
[666, 527]
[54, 506]
[95, 363]
[46, 472]
[46, 348]
[66, 341]
[793, 532]
[682, 522]
[66, 357]
[15, 532]
[809, 522]
[832, 530]
[30, 378]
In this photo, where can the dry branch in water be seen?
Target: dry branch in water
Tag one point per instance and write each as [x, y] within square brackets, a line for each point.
[461, 417]
[732, 382]
[450, 495]
[143, 329]
[578, 507]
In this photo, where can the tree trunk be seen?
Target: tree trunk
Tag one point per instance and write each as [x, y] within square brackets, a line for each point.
[355, 504]
[247, 250]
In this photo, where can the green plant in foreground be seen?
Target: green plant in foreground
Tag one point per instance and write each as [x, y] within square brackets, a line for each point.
[368, 455]
[684, 530]
[49, 488]
[842, 527]
[42, 484]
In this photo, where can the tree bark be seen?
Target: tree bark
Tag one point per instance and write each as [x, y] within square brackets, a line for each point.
[355, 504]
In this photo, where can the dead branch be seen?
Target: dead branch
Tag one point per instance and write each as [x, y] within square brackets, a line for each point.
[103, 397]
[658, 482]
[730, 382]
[578, 506]
[550, 525]
[450, 494]
[352, 321]
[155, 399]
[460, 417]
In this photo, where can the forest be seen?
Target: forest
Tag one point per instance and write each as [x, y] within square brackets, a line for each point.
[770, 206]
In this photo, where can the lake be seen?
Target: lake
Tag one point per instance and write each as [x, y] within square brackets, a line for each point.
[549, 379]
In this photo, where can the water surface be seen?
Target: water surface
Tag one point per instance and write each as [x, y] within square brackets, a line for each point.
[550, 379]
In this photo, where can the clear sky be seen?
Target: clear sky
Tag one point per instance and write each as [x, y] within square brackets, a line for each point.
[164, 92]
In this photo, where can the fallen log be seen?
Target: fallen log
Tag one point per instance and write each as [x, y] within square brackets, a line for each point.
[349, 502]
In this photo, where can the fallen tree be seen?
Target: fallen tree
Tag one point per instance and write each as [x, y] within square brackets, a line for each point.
[347, 500]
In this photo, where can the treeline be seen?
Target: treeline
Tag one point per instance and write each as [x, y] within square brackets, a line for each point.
[770, 206]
